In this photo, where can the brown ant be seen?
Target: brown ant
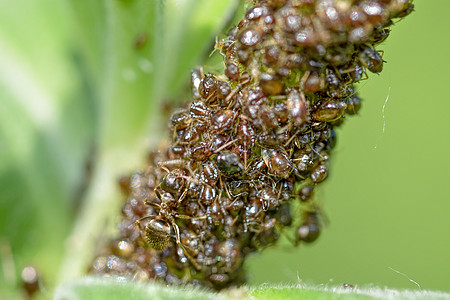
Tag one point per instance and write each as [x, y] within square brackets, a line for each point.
[157, 230]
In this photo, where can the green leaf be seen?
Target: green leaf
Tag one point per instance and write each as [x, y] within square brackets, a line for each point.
[117, 288]
[342, 293]
[100, 288]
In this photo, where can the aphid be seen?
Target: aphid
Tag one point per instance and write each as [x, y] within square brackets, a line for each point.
[306, 192]
[374, 11]
[249, 37]
[277, 162]
[246, 133]
[141, 40]
[371, 59]
[329, 111]
[353, 104]
[319, 173]
[232, 71]
[210, 173]
[309, 231]
[222, 120]
[200, 152]
[180, 120]
[207, 194]
[198, 109]
[207, 86]
[256, 12]
[229, 163]
[297, 107]
[196, 78]
[312, 82]
[157, 230]
[270, 84]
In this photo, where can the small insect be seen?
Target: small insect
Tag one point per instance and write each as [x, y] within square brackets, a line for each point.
[157, 230]
[371, 59]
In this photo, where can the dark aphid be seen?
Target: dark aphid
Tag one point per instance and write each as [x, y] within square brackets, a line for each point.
[266, 117]
[400, 8]
[232, 71]
[208, 86]
[380, 35]
[180, 120]
[303, 160]
[200, 152]
[283, 215]
[309, 231]
[371, 59]
[222, 120]
[253, 212]
[289, 19]
[353, 72]
[271, 55]
[141, 40]
[229, 163]
[277, 162]
[176, 151]
[256, 12]
[207, 194]
[297, 107]
[198, 109]
[312, 82]
[189, 135]
[210, 173]
[270, 84]
[196, 78]
[319, 173]
[246, 133]
[238, 188]
[268, 198]
[374, 11]
[223, 90]
[306, 192]
[329, 111]
[353, 104]
[215, 213]
[249, 37]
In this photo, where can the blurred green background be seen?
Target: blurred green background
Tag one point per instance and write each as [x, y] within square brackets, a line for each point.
[81, 87]
[388, 196]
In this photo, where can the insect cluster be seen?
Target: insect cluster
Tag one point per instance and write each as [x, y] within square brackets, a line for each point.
[248, 151]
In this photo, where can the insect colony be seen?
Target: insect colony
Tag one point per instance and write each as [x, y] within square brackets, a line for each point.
[246, 154]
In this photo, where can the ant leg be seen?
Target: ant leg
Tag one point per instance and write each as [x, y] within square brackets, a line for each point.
[280, 227]
[189, 217]
[225, 145]
[165, 165]
[178, 239]
[138, 223]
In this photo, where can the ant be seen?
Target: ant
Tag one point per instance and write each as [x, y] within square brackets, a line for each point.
[157, 230]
